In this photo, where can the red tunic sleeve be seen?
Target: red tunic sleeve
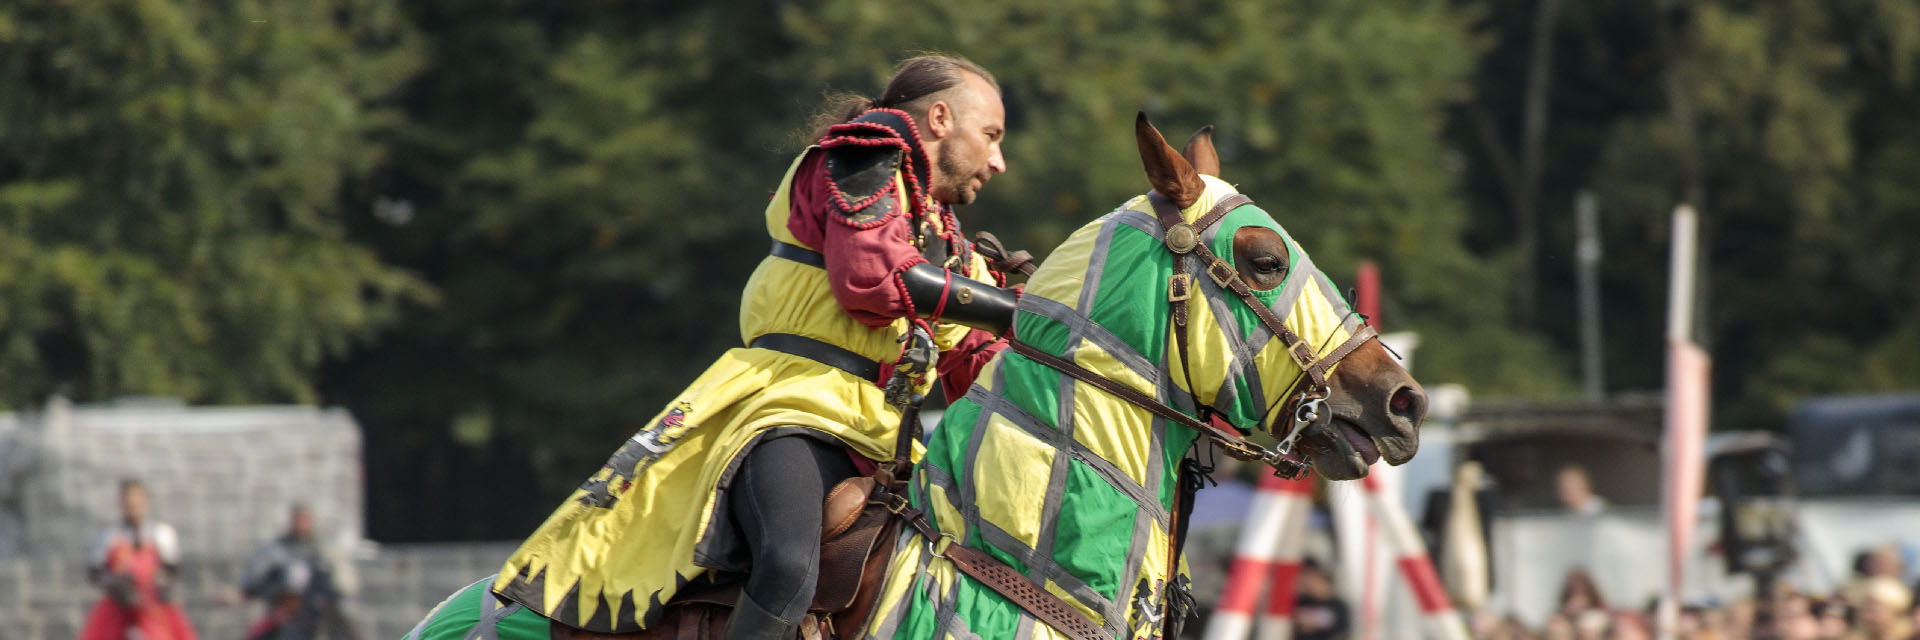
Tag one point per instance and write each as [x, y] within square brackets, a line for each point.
[862, 258]
[959, 366]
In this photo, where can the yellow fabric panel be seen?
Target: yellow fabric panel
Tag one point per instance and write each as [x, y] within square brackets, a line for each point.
[1063, 273]
[1041, 631]
[644, 542]
[1212, 352]
[1019, 465]
[902, 571]
[1153, 568]
[1116, 431]
[986, 377]
[1054, 588]
[1314, 320]
[945, 513]
[780, 206]
[783, 296]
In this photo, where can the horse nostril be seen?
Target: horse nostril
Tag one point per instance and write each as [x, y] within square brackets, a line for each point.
[1408, 402]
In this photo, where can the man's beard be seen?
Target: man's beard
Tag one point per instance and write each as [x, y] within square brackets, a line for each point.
[955, 180]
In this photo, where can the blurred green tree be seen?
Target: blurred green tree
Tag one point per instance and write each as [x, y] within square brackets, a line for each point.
[584, 183]
[1790, 124]
[170, 182]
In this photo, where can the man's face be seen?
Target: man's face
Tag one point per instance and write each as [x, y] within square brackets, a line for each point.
[1572, 488]
[302, 525]
[133, 505]
[969, 154]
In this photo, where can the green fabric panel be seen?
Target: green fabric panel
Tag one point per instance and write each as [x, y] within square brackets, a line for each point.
[947, 449]
[1041, 331]
[1180, 440]
[1132, 300]
[457, 619]
[1096, 532]
[1033, 387]
[987, 613]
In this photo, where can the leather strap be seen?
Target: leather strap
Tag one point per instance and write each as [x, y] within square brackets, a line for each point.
[798, 254]
[999, 258]
[1234, 444]
[1009, 583]
[833, 356]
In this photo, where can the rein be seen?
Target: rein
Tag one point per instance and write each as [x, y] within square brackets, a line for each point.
[1183, 241]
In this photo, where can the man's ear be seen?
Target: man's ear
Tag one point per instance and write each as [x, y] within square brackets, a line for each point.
[939, 119]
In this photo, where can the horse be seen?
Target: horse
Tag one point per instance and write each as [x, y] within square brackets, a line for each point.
[1050, 498]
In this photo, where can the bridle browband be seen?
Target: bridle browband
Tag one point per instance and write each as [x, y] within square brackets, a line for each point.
[1307, 405]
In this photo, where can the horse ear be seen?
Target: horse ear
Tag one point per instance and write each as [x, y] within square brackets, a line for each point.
[1170, 174]
[1201, 154]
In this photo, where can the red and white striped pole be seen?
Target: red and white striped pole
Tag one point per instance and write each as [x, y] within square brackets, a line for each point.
[1276, 622]
[1269, 551]
[1437, 616]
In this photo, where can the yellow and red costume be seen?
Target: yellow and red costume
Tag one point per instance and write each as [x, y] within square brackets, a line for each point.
[851, 215]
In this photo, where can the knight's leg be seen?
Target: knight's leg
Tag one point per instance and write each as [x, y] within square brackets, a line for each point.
[776, 500]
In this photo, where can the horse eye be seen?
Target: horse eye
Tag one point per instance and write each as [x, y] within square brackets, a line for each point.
[1266, 263]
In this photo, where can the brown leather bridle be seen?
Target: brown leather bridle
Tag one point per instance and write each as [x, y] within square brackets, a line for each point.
[1306, 406]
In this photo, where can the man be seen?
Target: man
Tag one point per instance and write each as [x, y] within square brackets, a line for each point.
[733, 474]
[1575, 490]
[296, 580]
[134, 562]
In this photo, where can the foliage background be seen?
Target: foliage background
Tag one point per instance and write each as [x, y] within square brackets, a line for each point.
[504, 233]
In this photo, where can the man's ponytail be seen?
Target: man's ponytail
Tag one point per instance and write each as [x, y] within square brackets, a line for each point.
[911, 89]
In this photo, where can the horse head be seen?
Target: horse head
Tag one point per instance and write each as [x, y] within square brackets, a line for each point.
[1243, 369]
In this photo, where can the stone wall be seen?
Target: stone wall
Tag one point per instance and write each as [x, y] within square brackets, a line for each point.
[48, 598]
[224, 478]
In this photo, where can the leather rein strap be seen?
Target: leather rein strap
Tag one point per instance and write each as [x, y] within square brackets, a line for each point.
[1236, 445]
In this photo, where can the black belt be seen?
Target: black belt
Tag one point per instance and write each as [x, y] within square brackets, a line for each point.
[798, 254]
[820, 352]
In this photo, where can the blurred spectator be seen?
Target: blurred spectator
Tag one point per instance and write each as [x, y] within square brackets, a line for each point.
[1793, 619]
[1628, 625]
[1739, 618]
[134, 562]
[1882, 611]
[1583, 606]
[1559, 627]
[1575, 490]
[1698, 622]
[1833, 618]
[1876, 571]
[296, 580]
[1318, 614]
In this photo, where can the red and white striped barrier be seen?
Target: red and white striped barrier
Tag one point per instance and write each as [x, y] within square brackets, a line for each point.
[1437, 616]
[1268, 554]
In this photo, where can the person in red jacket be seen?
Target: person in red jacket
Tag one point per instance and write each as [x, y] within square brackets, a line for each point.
[134, 562]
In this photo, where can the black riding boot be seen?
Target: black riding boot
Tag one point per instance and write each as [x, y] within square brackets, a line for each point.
[752, 622]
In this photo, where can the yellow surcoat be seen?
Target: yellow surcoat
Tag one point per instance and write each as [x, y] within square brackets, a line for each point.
[648, 522]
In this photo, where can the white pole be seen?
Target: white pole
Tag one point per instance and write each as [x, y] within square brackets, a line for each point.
[1680, 279]
[1685, 419]
[1587, 249]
